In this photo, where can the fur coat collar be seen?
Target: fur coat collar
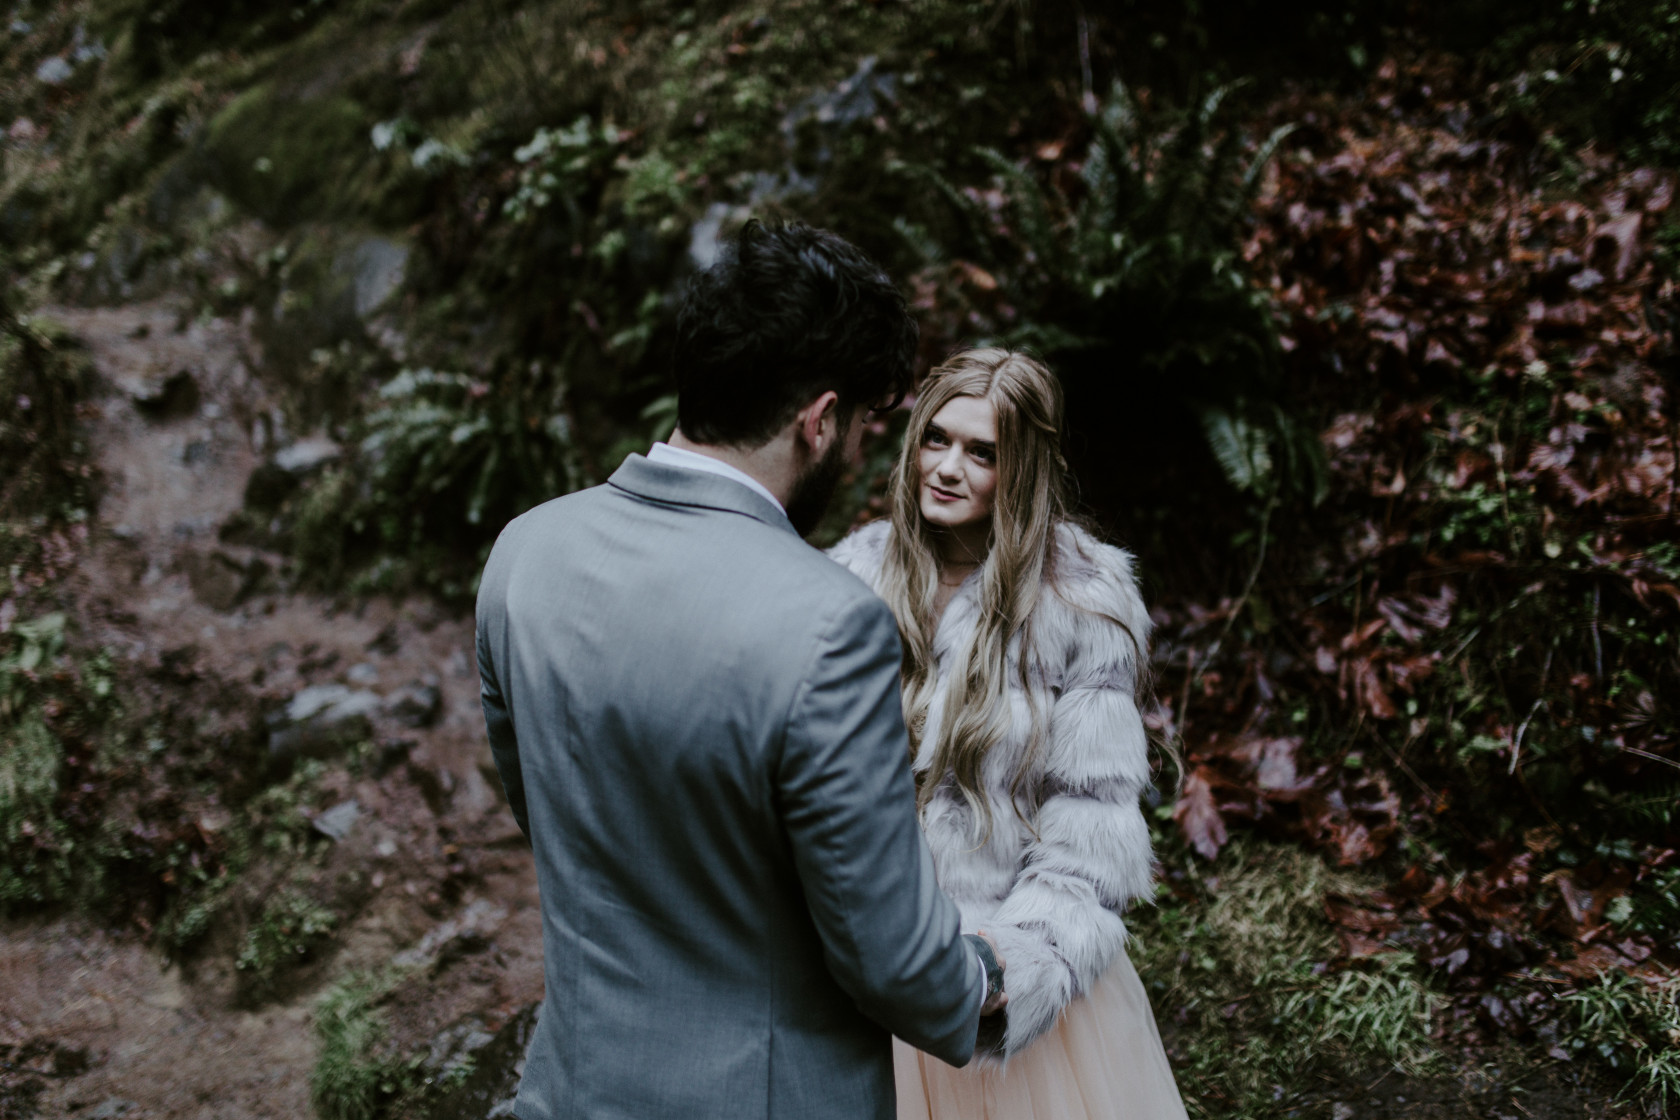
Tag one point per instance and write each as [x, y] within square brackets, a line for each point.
[1069, 849]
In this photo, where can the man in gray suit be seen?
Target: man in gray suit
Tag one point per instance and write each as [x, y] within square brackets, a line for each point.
[696, 719]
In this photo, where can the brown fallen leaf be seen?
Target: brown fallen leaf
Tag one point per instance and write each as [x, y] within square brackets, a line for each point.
[1197, 814]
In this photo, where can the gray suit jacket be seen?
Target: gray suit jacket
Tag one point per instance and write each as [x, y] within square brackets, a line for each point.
[696, 719]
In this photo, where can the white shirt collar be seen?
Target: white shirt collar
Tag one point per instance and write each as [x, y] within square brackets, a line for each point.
[694, 461]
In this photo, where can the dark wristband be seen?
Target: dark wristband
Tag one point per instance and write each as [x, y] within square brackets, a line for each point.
[988, 957]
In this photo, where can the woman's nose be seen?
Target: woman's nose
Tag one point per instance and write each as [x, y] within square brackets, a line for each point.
[950, 464]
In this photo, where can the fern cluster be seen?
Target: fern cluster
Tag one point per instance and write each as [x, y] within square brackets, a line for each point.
[1128, 277]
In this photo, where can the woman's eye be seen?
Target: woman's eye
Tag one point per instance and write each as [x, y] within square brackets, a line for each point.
[934, 439]
[981, 455]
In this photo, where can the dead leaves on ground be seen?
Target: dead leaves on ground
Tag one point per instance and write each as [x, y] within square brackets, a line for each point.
[1488, 332]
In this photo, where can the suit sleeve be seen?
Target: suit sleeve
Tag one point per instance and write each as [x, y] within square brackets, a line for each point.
[498, 724]
[891, 937]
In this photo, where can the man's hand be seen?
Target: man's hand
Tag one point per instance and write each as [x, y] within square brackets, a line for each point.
[999, 1001]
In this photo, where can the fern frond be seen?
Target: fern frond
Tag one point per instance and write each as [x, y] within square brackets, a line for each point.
[1240, 449]
[1032, 206]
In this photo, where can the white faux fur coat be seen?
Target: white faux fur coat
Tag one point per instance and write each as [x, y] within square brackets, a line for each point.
[1053, 900]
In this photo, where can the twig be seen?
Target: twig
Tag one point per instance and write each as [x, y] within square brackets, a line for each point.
[1516, 745]
[1652, 757]
[1468, 638]
[1598, 649]
[1316, 600]
[1248, 588]
[1434, 798]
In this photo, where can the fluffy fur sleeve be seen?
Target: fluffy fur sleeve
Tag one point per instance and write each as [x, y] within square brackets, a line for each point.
[1060, 926]
[861, 550]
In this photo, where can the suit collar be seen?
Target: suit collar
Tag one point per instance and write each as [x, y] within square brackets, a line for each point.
[681, 486]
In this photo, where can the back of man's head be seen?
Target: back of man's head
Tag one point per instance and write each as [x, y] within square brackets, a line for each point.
[787, 313]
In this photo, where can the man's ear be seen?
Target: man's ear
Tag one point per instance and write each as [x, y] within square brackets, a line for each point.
[819, 423]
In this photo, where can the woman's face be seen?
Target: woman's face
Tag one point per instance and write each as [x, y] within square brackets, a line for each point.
[958, 461]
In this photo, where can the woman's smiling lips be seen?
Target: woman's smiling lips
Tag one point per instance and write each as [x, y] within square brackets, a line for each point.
[943, 495]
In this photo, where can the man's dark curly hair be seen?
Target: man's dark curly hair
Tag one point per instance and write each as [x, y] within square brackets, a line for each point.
[787, 313]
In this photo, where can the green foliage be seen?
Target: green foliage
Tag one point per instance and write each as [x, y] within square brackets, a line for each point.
[558, 166]
[442, 432]
[1633, 1026]
[276, 815]
[352, 1079]
[441, 458]
[1132, 285]
[1652, 906]
[289, 930]
[152, 37]
[1240, 965]
[1597, 69]
[46, 478]
[1513, 644]
[38, 852]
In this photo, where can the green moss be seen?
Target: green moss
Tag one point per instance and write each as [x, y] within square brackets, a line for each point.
[290, 929]
[286, 157]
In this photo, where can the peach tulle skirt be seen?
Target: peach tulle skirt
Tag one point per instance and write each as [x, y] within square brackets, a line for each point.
[1102, 1061]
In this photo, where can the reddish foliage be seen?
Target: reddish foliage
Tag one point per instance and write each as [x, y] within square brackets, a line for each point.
[1417, 264]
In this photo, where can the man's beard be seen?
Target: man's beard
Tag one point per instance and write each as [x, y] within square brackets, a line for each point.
[815, 489]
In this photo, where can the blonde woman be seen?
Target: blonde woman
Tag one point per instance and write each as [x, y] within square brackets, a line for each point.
[1024, 645]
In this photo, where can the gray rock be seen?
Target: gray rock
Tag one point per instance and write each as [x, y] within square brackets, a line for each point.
[307, 455]
[109, 1108]
[320, 720]
[335, 823]
[329, 702]
[375, 268]
[416, 704]
[454, 1046]
[489, 1090]
[705, 239]
[54, 71]
[467, 932]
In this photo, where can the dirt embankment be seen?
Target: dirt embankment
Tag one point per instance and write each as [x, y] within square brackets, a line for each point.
[98, 1022]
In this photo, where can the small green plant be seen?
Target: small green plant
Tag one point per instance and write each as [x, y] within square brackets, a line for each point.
[37, 682]
[558, 166]
[1632, 1026]
[356, 1076]
[289, 930]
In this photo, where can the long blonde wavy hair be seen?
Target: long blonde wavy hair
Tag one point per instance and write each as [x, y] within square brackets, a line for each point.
[1030, 501]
